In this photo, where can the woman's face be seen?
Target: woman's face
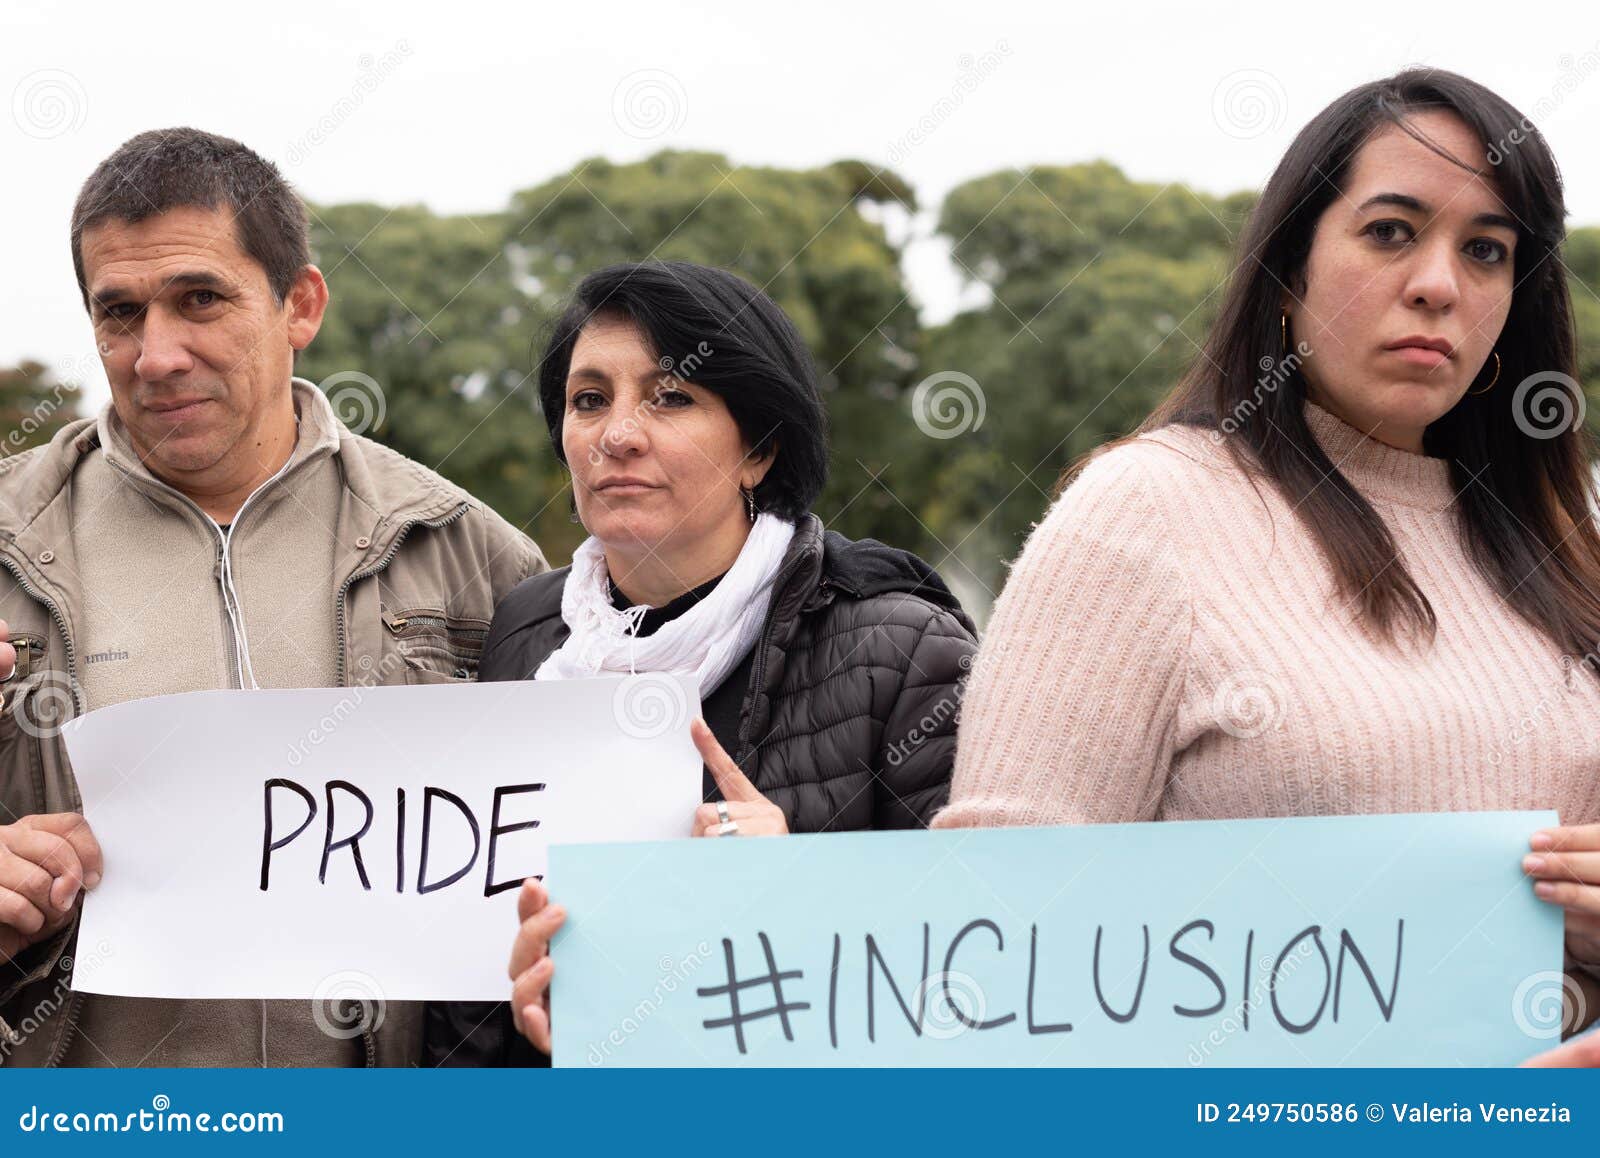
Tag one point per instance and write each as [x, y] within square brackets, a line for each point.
[657, 463]
[1408, 283]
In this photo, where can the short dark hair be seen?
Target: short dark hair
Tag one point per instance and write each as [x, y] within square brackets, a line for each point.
[724, 334]
[167, 169]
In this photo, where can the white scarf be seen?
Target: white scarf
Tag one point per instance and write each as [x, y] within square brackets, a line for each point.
[708, 641]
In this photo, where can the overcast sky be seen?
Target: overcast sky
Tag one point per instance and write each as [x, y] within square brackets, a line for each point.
[457, 104]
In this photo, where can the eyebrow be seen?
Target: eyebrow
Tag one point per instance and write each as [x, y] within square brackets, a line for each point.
[188, 280]
[594, 374]
[1405, 201]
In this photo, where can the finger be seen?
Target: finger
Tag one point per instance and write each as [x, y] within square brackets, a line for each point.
[533, 939]
[1573, 897]
[20, 913]
[706, 817]
[22, 875]
[536, 1020]
[53, 856]
[1579, 1053]
[8, 655]
[732, 783]
[531, 984]
[75, 828]
[1583, 867]
[1572, 838]
[532, 898]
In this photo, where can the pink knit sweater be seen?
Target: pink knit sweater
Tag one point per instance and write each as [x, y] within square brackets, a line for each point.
[1170, 646]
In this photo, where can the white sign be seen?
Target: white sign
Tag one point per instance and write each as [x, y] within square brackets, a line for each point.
[289, 844]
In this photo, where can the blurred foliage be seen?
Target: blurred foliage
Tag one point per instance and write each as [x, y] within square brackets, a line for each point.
[1093, 293]
[34, 404]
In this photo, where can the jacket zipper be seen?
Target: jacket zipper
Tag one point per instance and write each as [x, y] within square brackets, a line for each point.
[388, 555]
[395, 624]
[758, 671]
[72, 685]
[61, 626]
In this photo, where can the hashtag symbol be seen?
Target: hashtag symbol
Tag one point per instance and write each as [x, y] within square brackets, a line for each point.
[772, 977]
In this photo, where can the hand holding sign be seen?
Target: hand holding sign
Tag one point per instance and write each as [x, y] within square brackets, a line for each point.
[752, 812]
[1565, 865]
[45, 862]
[531, 967]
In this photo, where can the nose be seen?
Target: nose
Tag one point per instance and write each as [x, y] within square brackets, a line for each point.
[625, 434]
[1431, 283]
[163, 347]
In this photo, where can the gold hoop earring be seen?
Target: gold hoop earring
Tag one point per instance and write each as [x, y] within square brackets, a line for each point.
[1493, 380]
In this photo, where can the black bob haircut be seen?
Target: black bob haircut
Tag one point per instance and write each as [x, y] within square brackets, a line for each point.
[711, 328]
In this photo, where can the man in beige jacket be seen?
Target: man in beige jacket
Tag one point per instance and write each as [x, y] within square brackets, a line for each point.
[216, 526]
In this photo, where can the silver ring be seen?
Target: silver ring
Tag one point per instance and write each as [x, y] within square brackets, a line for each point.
[728, 828]
[722, 811]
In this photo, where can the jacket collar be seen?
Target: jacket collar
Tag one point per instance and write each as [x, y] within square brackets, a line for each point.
[317, 434]
[391, 488]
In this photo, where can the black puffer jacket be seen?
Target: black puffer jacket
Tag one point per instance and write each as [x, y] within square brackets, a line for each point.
[848, 720]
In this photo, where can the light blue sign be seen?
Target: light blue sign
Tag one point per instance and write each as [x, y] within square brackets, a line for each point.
[1373, 940]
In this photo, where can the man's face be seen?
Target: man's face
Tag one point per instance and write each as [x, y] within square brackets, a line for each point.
[197, 348]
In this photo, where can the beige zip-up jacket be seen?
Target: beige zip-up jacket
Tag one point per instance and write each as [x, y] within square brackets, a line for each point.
[352, 567]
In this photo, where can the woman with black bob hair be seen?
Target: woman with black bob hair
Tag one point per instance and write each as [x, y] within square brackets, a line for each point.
[686, 407]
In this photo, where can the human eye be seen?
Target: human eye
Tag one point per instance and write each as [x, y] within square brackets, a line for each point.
[1487, 250]
[1389, 232]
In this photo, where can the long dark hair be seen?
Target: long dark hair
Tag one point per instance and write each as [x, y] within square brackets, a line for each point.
[1523, 484]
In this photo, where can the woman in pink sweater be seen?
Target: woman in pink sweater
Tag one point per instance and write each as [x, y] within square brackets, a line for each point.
[1348, 566]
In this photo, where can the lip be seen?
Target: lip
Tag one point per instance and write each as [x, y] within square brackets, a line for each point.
[174, 410]
[1421, 350]
[1421, 342]
[627, 486]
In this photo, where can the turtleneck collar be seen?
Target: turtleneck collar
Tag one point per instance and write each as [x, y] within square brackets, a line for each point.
[1380, 471]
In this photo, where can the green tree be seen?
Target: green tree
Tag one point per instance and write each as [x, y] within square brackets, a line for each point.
[448, 314]
[34, 404]
[1100, 292]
